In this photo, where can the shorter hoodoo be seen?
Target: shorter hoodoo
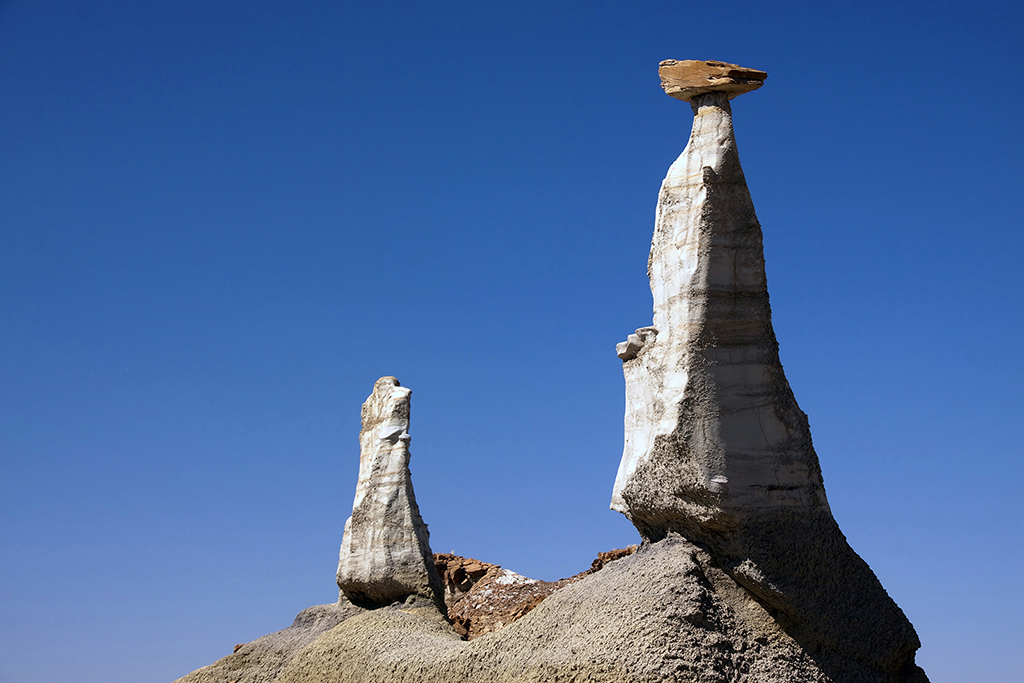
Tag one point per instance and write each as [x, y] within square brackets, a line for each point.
[385, 551]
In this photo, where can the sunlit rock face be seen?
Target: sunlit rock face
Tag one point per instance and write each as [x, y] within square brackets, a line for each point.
[716, 447]
[711, 425]
[385, 552]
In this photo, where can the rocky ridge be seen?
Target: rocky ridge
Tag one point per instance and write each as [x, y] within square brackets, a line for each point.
[743, 575]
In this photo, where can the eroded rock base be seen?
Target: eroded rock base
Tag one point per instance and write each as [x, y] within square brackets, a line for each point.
[667, 612]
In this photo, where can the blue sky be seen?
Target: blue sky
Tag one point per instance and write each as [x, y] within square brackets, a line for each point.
[220, 222]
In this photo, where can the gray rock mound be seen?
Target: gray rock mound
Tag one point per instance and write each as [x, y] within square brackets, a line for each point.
[263, 658]
[665, 613]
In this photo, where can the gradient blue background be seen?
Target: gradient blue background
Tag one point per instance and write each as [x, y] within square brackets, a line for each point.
[220, 222]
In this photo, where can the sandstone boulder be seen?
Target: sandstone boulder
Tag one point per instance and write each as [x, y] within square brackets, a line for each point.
[685, 79]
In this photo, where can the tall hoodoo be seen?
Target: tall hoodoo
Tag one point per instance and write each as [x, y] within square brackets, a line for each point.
[385, 552]
[716, 447]
[711, 423]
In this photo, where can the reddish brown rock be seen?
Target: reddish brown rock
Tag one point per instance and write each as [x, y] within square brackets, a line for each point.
[611, 556]
[482, 597]
[458, 574]
[687, 78]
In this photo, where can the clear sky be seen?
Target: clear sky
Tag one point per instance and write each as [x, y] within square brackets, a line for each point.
[220, 222]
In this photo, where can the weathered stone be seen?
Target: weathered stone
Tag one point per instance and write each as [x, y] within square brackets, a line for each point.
[743, 575]
[611, 556]
[688, 78]
[662, 614]
[385, 552]
[458, 574]
[629, 349]
[716, 447]
[483, 598]
[495, 600]
[711, 425]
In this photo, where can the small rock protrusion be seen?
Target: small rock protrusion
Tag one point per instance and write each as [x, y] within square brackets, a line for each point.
[630, 349]
[610, 556]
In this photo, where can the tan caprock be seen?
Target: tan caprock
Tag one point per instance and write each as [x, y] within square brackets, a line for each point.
[685, 79]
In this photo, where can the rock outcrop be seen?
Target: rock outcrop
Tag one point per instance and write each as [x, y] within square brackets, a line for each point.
[665, 613]
[459, 574]
[716, 447]
[483, 598]
[264, 658]
[611, 556]
[743, 575]
[499, 598]
[385, 552]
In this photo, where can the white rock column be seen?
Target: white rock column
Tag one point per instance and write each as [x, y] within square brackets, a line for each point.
[385, 552]
[711, 423]
[716, 447]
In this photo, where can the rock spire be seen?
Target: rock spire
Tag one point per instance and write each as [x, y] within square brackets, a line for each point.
[711, 426]
[385, 552]
[716, 448]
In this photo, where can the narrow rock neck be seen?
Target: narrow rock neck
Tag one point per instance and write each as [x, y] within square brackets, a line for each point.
[712, 123]
[719, 100]
[712, 143]
[701, 194]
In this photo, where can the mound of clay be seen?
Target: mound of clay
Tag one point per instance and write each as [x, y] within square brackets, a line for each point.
[263, 658]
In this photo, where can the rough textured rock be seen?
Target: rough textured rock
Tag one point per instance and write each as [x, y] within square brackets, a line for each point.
[685, 79]
[743, 576]
[611, 556]
[483, 598]
[716, 448]
[459, 574]
[498, 599]
[263, 658]
[385, 552]
[663, 614]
